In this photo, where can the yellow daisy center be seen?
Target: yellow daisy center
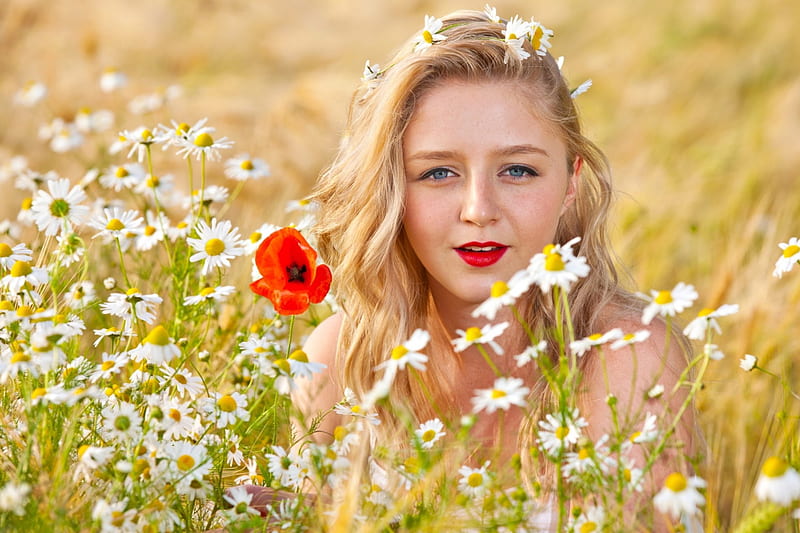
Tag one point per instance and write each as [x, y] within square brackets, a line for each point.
[635, 435]
[158, 336]
[255, 236]
[663, 297]
[675, 482]
[21, 268]
[299, 355]
[475, 479]
[553, 262]
[207, 291]
[705, 311]
[547, 250]
[5, 305]
[356, 408]
[399, 351]
[108, 365]
[227, 403]
[340, 433]
[204, 140]
[115, 224]
[588, 527]
[283, 364]
[215, 246]
[595, 336]
[412, 465]
[121, 172]
[246, 165]
[583, 453]
[153, 182]
[774, 467]
[628, 337]
[497, 393]
[39, 392]
[180, 378]
[185, 462]
[536, 37]
[5, 250]
[149, 230]
[499, 288]
[146, 135]
[429, 435]
[26, 203]
[175, 415]
[25, 310]
[20, 357]
[472, 334]
[427, 36]
[182, 128]
[131, 291]
[562, 432]
[626, 473]
[789, 251]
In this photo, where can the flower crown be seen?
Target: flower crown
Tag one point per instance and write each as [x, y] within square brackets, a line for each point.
[516, 32]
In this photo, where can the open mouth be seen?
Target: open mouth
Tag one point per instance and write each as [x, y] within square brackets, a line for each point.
[481, 254]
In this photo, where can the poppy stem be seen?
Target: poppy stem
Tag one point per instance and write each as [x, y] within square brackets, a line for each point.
[289, 342]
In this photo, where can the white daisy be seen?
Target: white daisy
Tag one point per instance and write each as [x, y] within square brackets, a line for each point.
[351, 406]
[748, 362]
[110, 365]
[80, 295]
[590, 519]
[22, 274]
[254, 240]
[31, 94]
[239, 499]
[556, 265]
[138, 140]
[204, 145]
[705, 320]
[112, 79]
[10, 255]
[215, 245]
[121, 422]
[580, 89]
[504, 393]
[227, 409]
[158, 189]
[789, 257]
[484, 335]
[504, 294]
[491, 13]
[712, 351]
[156, 347]
[474, 482]
[59, 209]
[152, 232]
[210, 294]
[428, 433]
[515, 34]
[430, 34]
[408, 353]
[778, 483]
[14, 497]
[669, 303]
[183, 382]
[112, 333]
[121, 177]
[284, 466]
[631, 338]
[540, 37]
[531, 353]
[243, 168]
[187, 459]
[680, 496]
[371, 72]
[301, 367]
[560, 431]
[649, 431]
[114, 223]
[125, 304]
[581, 346]
[178, 133]
[88, 121]
[656, 391]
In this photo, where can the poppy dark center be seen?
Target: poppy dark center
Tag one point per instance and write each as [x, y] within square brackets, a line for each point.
[296, 272]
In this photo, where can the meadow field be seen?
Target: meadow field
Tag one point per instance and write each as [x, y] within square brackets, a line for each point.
[695, 103]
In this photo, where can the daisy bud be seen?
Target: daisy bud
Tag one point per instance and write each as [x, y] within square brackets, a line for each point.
[109, 283]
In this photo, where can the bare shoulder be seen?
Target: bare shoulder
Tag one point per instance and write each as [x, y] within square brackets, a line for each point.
[316, 397]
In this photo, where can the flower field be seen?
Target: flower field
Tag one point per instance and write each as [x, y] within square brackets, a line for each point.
[156, 284]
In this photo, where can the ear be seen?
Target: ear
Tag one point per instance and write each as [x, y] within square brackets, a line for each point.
[572, 184]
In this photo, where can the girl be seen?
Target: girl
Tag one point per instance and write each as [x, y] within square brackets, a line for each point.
[461, 160]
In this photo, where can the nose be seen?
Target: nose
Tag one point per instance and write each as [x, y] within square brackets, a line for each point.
[479, 203]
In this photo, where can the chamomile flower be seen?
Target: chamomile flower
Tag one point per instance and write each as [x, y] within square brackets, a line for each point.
[590, 457]
[351, 406]
[560, 431]
[504, 393]
[648, 433]
[112, 333]
[179, 133]
[748, 362]
[121, 177]
[10, 255]
[474, 482]
[243, 168]
[137, 140]
[789, 257]
[219, 293]
[580, 89]
[252, 243]
[485, 335]
[680, 496]
[705, 320]
[151, 233]
[515, 34]
[187, 460]
[157, 188]
[491, 13]
[239, 499]
[408, 353]
[114, 517]
[589, 519]
[504, 294]
[121, 422]
[59, 208]
[301, 367]
[112, 80]
[80, 295]
[284, 466]
[669, 303]
[371, 72]
[114, 223]
[88, 121]
[215, 245]
[655, 391]
[712, 351]
[109, 366]
[556, 265]
[531, 353]
[581, 346]
[428, 433]
[778, 483]
[631, 338]
[204, 145]
[21, 275]
[430, 34]
[156, 347]
[227, 409]
[31, 94]
[125, 304]
[14, 497]
[540, 37]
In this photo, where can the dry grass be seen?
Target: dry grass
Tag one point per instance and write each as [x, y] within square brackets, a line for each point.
[697, 105]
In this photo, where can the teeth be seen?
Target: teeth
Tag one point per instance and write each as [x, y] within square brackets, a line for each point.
[480, 249]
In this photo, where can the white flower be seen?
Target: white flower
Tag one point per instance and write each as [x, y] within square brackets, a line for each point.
[121, 422]
[669, 303]
[631, 338]
[120, 177]
[215, 245]
[580, 89]
[505, 393]
[112, 79]
[113, 517]
[352, 407]
[474, 482]
[680, 496]
[790, 256]
[581, 346]
[285, 466]
[115, 223]
[371, 72]
[656, 391]
[227, 409]
[649, 431]
[109, 365]
[31, 94]
[80, 295]
[503, 294]
[484, 335]
[138, 140]
[748, 362]
[429, 432]
[204, 145]
[243, 168]
[430, 34]
[778, 483]
[697, 328]
[88, 121]
[491, 13]
[560, 431]
[22, 273]
[515, 34]
[300, 366]
[556, 265]
[112, 333]
[530, 353]
[255, 239]
[10, 255]
[408, 353]
[239, 499]
[210, 294]
[59, 209]
[125, 305]
[183, 381]
[187, 460]
[540, 37]
[156, 347]
[13, 497]
[712, 351]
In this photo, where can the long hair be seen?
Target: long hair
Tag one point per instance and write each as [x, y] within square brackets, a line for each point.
[380, 283]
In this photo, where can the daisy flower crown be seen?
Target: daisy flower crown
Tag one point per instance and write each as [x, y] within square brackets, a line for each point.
[516, 33]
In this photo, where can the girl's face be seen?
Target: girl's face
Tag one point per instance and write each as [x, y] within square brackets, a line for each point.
[486, 182]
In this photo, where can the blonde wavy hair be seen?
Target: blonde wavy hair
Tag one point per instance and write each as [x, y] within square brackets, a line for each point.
[379, 281]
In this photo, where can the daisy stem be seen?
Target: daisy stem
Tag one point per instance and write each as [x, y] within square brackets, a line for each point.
[191, 184]
[289, 341]
[426, 392]
[234, 194]
[159, 212]
[524, 324]
[202, 207]
[633, 377]
[122, 263]
[488, 360]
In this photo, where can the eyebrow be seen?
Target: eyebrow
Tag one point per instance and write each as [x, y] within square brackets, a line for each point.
[438, 155]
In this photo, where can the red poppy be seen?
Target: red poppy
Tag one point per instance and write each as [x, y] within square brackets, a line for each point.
[291, 280]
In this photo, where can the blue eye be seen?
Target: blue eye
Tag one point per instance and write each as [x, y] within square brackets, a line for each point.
[519, 171]
[437, 173]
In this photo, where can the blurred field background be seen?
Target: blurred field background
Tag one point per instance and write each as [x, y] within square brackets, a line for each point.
[696, 104]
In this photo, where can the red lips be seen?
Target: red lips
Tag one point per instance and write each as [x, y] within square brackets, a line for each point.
[481, 254]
